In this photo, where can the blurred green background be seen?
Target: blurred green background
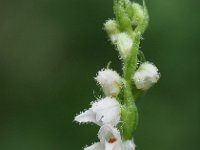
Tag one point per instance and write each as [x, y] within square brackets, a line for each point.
[50, 50]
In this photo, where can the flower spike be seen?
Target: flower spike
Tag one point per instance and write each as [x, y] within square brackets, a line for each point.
[116, 113]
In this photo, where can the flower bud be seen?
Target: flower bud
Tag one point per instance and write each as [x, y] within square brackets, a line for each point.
[138, 14]
[112, 28]
[124, 44]
[146, 76]
[110, 81]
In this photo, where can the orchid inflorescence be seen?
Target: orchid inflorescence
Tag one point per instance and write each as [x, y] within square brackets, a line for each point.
[116, 113]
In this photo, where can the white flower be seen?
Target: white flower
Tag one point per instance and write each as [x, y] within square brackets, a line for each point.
[103, 111]
[110, 82]
[124, 44]
[110, 139]
[146, 76]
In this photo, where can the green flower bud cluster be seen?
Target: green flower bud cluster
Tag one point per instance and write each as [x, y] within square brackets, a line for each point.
[129, 16]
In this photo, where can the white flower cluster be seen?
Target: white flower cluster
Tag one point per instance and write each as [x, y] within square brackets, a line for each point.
[105, 112]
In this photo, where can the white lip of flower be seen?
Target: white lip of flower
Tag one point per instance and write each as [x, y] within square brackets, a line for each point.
[103, 111]
[124, 44]
[146, 75]
[110, 81]
[110, 139]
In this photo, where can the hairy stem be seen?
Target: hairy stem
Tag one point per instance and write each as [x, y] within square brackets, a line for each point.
[130, 113]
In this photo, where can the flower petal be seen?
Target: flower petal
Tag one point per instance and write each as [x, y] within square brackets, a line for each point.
[95, 146]
[107, 111]
[87, 116]
[113, 146]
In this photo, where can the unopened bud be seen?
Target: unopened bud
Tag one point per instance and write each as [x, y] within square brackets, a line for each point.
[138, 14]
[112, 28]
[146, 76]
[110, 81]
[124, 44]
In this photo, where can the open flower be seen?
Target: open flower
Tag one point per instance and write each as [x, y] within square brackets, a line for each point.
[103, 111]
[110, 81]
[146, 75]
[110, 139]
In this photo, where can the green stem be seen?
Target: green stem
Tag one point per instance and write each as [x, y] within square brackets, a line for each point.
[129, 117]
[130, 62]
[129, 110]
[129, 68]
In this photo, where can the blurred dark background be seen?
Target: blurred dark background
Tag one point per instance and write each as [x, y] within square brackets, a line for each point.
[50, 50]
